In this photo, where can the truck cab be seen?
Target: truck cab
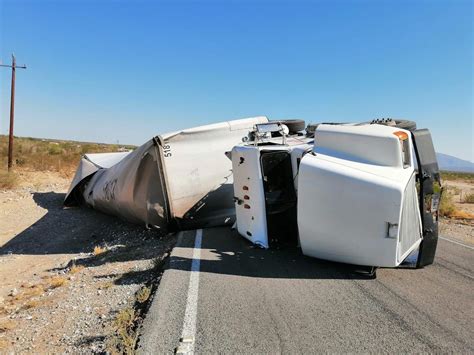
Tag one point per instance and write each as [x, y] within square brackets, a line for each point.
[358, 194]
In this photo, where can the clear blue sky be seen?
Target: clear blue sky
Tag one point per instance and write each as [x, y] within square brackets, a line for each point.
[127, 70]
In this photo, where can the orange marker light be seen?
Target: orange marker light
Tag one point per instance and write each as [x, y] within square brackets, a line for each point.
[246, 197]
[401, 135]
[246, 188]
[246, 206]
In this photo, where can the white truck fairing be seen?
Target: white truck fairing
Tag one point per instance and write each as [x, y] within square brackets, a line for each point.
[357, 199]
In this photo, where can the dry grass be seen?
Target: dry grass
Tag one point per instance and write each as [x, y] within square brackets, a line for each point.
[3, 309]
[451, 175]
[31, 304]
[29, 292]
[52, 282]
[126, 324]
[49, 283]
[143, 294]
[469, 198]
[98, 250]
[458, 214]
[126, 336]
[448, 209]
[106, 285]
[446, 206]
[31, 296]
[454, 189]
[8, 180]
[6, 325]
[49, 155]
[76, 268]
[4, 343]
[55, 282]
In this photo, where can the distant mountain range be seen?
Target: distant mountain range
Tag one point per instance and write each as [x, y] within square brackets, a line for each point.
[450, 163]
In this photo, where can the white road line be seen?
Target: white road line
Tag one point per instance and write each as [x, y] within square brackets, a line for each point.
[454, 242]
[189, 325]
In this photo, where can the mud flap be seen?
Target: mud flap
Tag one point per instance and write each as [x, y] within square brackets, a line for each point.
[429, 194]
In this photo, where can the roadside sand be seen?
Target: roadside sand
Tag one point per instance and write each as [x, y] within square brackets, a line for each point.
[459, 229]
[56, 294]
[459, 189]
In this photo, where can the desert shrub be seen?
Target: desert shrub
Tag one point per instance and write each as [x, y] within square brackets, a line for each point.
[455, 190]
[469, 198]
[87, 148]
[20, 162]
[125, 338]
[55, 150]
[98, 250]
[8, 180]
[452, 175]
[51, 155]
[56, 281]
[76, 268]
[447, 208]
[446, 205]
[143, 294]
[6, 324]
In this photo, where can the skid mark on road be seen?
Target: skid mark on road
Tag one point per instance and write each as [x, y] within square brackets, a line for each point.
[188, 333]
[453, 267]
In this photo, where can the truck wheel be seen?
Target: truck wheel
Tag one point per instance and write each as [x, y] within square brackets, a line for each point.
[294, 125]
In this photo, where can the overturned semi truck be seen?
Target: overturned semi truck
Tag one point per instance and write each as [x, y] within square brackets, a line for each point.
[354, 193]
[360, 193]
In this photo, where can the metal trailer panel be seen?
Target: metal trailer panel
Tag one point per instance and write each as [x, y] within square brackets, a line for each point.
[198, 174]
[181, 179]
[131, 188]
[90, 164]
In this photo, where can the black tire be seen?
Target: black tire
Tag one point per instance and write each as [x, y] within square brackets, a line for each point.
[294, 126]
[311, 128]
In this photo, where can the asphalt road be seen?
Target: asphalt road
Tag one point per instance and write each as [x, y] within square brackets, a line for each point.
[250, 300]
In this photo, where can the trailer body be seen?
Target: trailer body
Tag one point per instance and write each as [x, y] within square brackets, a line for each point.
[178, 180]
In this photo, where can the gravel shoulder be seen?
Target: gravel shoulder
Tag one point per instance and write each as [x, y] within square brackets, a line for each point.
[459, 230]
[68, 276]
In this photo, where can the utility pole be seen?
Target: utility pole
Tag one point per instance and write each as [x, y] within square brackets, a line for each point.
[12, 109]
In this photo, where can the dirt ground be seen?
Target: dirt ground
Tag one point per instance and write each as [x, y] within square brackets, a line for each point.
[69, 278]
[459, 189]
[460, 229]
